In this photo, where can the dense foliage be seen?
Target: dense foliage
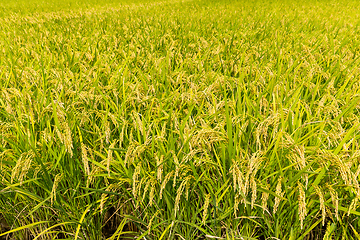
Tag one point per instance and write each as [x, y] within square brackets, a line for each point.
[179, 119]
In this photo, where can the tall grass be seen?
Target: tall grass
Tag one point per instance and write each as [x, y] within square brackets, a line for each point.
[179, 119]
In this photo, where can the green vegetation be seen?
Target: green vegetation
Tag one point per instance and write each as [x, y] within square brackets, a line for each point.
[168, 119]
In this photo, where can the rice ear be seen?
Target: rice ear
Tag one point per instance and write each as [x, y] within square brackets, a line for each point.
[322, 203]
[22, 166]
[302, 204]
[278, 192]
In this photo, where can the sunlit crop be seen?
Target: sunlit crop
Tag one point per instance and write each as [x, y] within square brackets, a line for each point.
[196, 119]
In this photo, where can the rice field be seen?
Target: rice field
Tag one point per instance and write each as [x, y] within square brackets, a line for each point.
[179, 119]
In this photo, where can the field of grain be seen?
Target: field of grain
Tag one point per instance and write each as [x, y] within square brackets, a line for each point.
[179, 119]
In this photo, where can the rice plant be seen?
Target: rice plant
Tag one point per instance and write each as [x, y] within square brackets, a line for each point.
[185, 119]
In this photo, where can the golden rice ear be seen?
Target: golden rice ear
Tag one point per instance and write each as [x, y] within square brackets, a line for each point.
[107, 132]
[187, 187]
[65, 137]
[152, 191]
[68, 139]
[334, 199]
[160, 167]
[261, 132]
[355, 202]
[302, 204]
[22, 166]
[179, 192]
[147, 182]
[110, 158]
[166, 180]
[353, 205]
[278, 192]
[238, 180]
[57, 179]
[322, 203]
[129, 156]
[264, 199]
[206, 206]
[85, 159]
[135, 178]
[137, 122]
[254, 164]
